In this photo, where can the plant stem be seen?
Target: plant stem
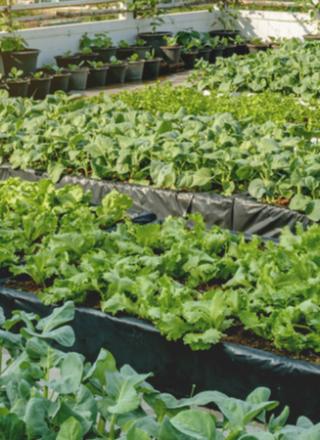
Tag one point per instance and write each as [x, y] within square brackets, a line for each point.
[112, 426]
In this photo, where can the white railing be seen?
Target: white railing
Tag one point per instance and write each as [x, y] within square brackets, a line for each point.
[35, 13]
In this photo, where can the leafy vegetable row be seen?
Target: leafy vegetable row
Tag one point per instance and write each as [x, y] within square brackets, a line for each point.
[191, 283]
[106, 140]
[258, 108]
[48, 394]
[291, 69]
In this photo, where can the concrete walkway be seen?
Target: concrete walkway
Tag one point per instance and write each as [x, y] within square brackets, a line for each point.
[175, 78]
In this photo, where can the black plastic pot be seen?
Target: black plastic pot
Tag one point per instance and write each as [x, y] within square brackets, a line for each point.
[204, 54]
[98, 77]
[79, 78]
[25, 60]
[125, 52]
[171, 54]
[117, 73]
[254, 48]
[39, 88]
[60, 81]
[215, 53]
[88, 57]
[241, 49]
[155, 40]
[135, 70]
[64, 61]
[151, 68]
[190, 58]
[18, 88]
[104, 54]
[228, 51]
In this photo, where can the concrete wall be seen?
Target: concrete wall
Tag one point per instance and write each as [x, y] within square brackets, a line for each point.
[58, 39]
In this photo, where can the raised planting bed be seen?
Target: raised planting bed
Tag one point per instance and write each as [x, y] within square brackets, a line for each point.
[78, 399]
[239, 213]
[103, 139]
[203, 287]
[228, 367]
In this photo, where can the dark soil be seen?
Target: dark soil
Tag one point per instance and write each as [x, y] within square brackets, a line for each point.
[237, 334]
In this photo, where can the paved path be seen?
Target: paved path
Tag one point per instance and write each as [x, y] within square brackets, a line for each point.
[176, 79]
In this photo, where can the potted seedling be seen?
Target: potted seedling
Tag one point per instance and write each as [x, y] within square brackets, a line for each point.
[256, 44]
[86, 54]
[190, 52]
[124, 50]
[205, 49]
[67, 58]
[151, 10]
[151, 65]
[97, 74]
[17, 83]
[135, 68]
[172, 50]
[141, 48]
[60, 77]
[102, 44]
[225, 18]
[79, 76]
[117, 71]
[40, 83]
[233, 46]
[15, 54]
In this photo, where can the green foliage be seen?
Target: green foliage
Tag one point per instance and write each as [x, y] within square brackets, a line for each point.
[254, 108]
[46, 393]
[191, 283]
[104, 139]
[12, 43]
[100, 40]
[291, 69]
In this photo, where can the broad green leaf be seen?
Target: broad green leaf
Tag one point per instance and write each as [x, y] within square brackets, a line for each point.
[70, 430]
[197, 424]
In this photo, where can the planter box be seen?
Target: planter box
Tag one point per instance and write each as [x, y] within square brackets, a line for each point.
[230, 368]
[240, 213]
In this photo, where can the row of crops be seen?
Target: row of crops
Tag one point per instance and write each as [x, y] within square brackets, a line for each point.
[183, 295]
[100, 401]
[105, 139]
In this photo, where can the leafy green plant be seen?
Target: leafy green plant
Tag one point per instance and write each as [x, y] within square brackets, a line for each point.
[150, 55]
[86, 51]
[139, 42]
[134, 58]
[38, 75]
[123, 44]
[76, 67]
[101, 40]
[12, 43]
[16, 74]
[53, 68]
[227, 13]
[148, 9]
[114, 61]
[96, 64]
[49, 393]
[193, 45]
[171, 41]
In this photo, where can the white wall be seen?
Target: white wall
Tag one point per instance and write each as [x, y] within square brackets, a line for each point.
[55, 40]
